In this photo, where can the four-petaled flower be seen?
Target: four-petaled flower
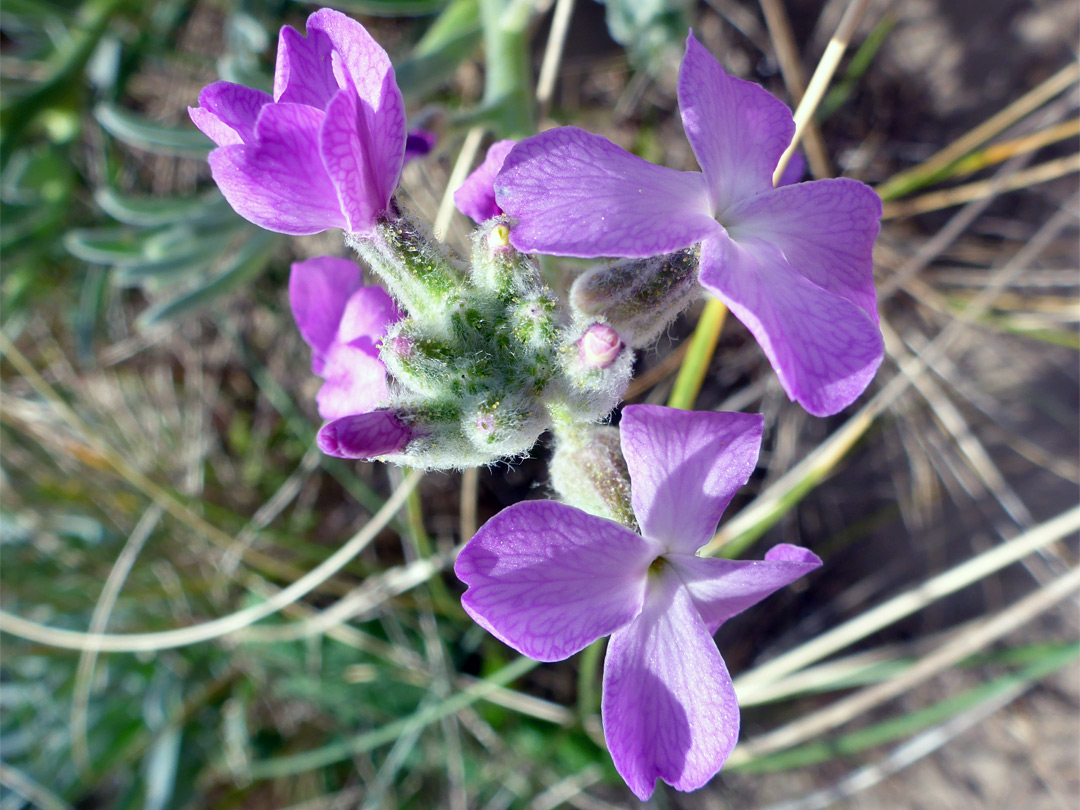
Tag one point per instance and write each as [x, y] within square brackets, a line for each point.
[549, 579]
[792, 263]
[326, 149]
[344, 323]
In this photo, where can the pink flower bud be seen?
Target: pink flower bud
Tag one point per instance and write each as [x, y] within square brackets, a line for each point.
[599, 346]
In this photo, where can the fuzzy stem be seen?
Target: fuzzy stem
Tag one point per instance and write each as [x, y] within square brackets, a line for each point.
[699, 356]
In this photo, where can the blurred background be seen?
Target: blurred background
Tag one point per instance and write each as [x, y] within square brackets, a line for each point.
[160, 482]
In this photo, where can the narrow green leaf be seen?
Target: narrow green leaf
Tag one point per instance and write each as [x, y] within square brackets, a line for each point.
[246, 262]
[151, 211]
[134, 130]
[452, 38]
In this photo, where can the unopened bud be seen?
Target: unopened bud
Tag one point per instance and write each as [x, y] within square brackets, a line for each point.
[498, 238]
[401, 345]
[599, 346]
[639, 297]
[588, 471]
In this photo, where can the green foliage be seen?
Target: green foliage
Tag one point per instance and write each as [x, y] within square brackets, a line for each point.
[652, 31]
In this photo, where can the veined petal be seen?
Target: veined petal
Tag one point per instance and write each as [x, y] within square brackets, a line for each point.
[358, 55]
[824, 349]
[354, 144]
[826, 230]
[376, 115]
[724, 588]
[794, 171]
[364, 435]
[669, 708]
[368, 314]
[476, 196]
[318, 291]
[548, 579]
[737, 129]
[279, 183]
[227, 112]
[304, 73]
[684, 468]
[577, 194]
[355, 383]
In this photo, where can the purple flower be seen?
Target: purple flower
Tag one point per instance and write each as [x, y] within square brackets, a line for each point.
[549, 579]
[476, 196]
[325, 150]
[792, 263]
[344, 323]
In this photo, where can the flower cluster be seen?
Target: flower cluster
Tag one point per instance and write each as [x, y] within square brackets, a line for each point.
[453, 362]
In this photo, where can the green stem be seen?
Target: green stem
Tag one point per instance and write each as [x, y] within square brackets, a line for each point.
[414, 516]
[507, 80]
[699, 356]
[588, 667]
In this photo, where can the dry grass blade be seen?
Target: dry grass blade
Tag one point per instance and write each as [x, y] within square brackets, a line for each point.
[902, 756]
[819, 82]
[553, 51]
[226, 625]
[787, 54]
[958, 647]
[102, 455]
[375, 590]
[946, 198]
[99, 621]
[462, 166]
[24, 786]
[565, 790]
[470, 490]
[960, 576]
[972, 140]
[953, 422]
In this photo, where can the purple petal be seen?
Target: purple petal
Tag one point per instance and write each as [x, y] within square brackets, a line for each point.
[227, 112]
[279, 183]
[548, 579]
[669, 708]
[795, 169]
[361, 58]
[354, 143]
[368, 314]
[823, 348]
[724, 588]
[377, 118]
[736, 128]
[418, 143]
[364, 435]
[476, 196]
[304, 73]
[355, 383]
[319, 289]
[577, 194]
[684, 468]
[826, 230]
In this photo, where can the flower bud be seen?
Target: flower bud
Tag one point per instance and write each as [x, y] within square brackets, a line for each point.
[638, 297]
[588, 471]
[599, 346]
[497, 266]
